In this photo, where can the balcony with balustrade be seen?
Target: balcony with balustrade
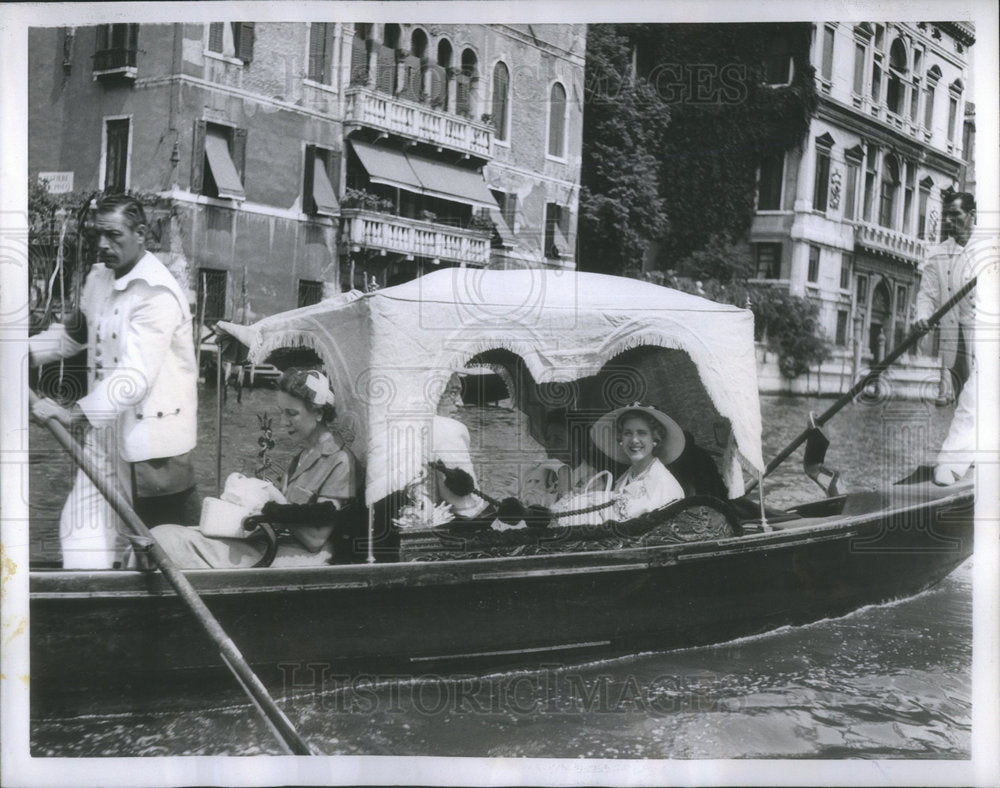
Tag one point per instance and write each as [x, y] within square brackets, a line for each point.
[366, 106]
[366, 229]
[893, 243]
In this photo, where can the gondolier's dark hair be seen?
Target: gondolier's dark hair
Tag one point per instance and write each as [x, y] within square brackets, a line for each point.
[129, 207]
[967, 198]
[295, 381]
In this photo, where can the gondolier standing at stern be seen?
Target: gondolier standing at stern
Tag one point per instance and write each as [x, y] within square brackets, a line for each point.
[949, 266]
[141, 405]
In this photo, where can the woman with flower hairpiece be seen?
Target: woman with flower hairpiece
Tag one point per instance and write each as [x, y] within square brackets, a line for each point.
[647, 440]
[322, 515]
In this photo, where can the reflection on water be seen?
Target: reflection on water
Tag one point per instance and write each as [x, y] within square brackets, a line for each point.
[891, 681]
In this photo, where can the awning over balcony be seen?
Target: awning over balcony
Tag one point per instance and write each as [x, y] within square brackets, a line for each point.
[424, 176]
[449, 182]
[227, 179]
[386, 166]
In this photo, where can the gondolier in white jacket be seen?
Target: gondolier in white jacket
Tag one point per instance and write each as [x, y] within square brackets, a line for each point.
[141, 405]
[948, 267]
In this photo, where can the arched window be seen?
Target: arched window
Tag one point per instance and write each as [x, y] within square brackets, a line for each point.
[890, 188]
[465, 83]
[501, 99]
[437, 79]
[557, 121]
[390, 37]
[412, 76]
[418, 43]
[895, 95]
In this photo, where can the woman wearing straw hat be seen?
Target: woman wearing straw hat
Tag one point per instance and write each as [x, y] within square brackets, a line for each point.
[647, 440]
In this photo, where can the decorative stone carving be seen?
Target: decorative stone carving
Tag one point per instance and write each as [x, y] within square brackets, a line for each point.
[835, 179]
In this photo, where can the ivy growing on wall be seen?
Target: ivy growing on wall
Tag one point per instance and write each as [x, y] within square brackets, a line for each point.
[621, 206]
[677, 118]
[723, 118]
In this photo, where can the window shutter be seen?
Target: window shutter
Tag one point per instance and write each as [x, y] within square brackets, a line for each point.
[410, 88]
[501, 80]
[557, 120]
[463, 97]
[437, 85]
[198, 157]
[308, 201]
[359, 62]
[244, 49]
[385, 78]
[333, 169]
[133, 37]
[239, 153]
[328, 64]
[103, 38]
[317, 33]
[215, 33]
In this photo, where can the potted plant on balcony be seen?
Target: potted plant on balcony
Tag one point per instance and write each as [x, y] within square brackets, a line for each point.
[365, 201]
[481, 221]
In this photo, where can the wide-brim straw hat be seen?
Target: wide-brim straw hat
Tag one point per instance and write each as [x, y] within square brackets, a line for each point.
[605, 435]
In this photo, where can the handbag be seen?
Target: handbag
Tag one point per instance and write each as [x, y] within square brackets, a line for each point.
[242, 497]
[590, 497]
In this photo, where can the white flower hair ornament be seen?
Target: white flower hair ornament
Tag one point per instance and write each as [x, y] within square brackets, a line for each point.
[318, 384]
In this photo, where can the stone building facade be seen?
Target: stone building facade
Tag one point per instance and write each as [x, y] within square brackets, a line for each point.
[291, 161]
[845, 220]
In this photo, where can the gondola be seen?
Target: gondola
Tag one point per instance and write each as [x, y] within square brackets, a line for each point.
[565, 342]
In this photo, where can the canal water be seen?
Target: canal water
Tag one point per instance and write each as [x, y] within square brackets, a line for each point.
[891, 681]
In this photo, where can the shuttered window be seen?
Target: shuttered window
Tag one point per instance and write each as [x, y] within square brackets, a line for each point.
[385, 69]
[320, 178]
[501, 100]
[216, 37]
[409, 89]
[218, 160]
[557, 121]
[243, 35]
[436, 85]
[463, 95]
[321, 52]
[359, 60]
[236, 41]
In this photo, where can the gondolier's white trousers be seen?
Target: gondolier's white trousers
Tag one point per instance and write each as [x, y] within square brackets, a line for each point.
[89, 530]
[959, 447]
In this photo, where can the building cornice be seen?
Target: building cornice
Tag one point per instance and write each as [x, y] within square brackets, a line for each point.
[963, 32]
[837, 112]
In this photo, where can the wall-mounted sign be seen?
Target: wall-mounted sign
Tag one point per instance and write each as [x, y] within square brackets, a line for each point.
[59, 182]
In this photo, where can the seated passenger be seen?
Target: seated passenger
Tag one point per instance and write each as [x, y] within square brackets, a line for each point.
[453, 477]
[646, 440]
[322, 514]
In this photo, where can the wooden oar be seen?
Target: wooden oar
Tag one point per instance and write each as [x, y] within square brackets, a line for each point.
[231, 656]
[873, 373]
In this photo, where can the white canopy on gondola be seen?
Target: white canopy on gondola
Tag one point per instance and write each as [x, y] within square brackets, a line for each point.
[390, 353]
